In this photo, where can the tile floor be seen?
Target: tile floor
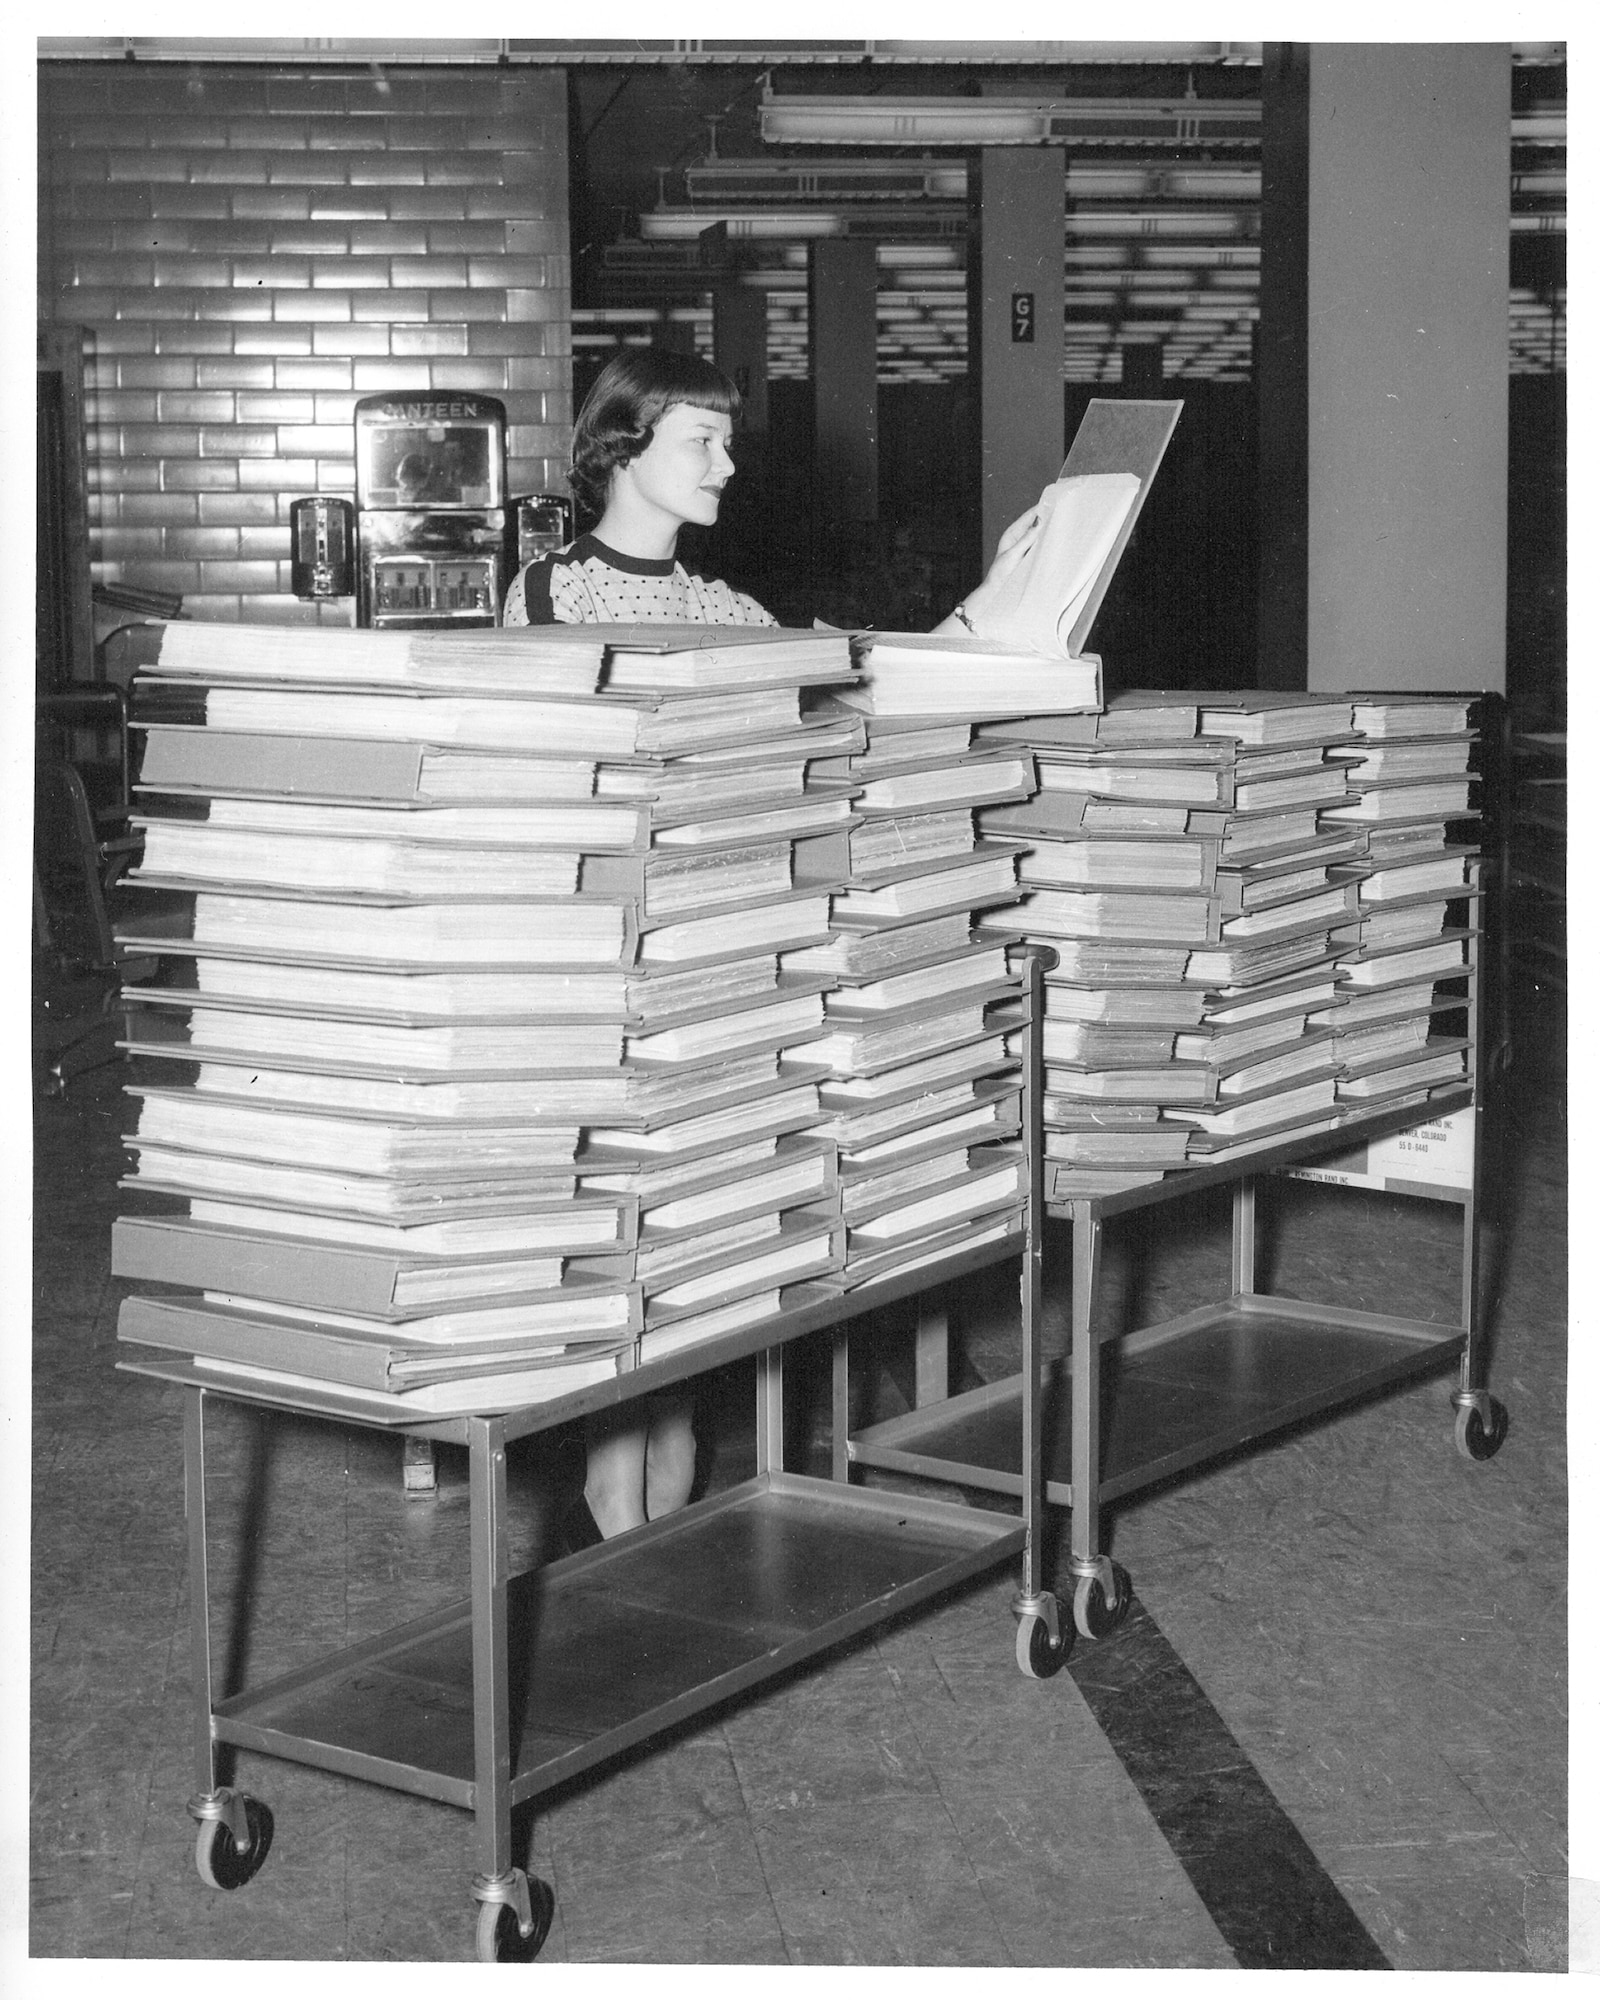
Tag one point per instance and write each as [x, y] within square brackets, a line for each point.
[1371, 1629]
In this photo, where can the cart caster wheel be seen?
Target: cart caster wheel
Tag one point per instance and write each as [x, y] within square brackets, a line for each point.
[222, 1865]
[1038, 1655]
[1094, 1618]
[1476, 1438]
[500, 1940]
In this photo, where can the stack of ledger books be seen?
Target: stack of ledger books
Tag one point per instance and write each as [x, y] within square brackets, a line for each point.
[473, 1078]
[923, 1087]
[1205, 868]
[1412, 793]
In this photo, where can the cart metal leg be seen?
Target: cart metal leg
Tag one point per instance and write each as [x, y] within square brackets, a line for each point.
[839, 1466]
[235, 1830]
[194, 1500]
[1245, 1262]
[491, 1712]
[933, 1347]
[1100, 1590]
[1481, 1419]
[769, 1410]
[1042, 1642]
[506, 1926]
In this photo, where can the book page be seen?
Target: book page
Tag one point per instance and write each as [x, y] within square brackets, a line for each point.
[1037, 605]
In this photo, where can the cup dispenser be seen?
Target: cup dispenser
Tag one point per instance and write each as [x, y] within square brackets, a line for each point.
[544, 524]
[322, 548]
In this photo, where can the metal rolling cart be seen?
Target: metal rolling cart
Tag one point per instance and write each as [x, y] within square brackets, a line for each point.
[1191, 1388]
[491, 1701]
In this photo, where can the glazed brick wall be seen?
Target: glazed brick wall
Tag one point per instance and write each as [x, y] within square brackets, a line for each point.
[251, 249]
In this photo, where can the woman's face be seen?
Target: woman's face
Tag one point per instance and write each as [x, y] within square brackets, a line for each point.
[683, 469]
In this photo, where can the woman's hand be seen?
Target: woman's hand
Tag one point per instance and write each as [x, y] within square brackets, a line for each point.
[1014, 545]
[1016, 541]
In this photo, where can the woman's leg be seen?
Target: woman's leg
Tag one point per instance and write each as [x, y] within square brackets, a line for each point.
[615, 1482]
[669, 1455]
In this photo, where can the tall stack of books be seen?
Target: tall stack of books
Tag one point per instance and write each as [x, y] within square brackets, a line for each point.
[1410, 778]
[478, 1078]
[923, 1088]
[1202, 867]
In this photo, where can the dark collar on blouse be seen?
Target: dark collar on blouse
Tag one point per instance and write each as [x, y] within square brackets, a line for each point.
[590, 548]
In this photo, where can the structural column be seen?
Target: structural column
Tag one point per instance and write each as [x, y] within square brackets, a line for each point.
[1142, 369]
[1404, 364]
[843, 289]
[1017, 299]
[676, 336]
[1281, 345]
[739, 347]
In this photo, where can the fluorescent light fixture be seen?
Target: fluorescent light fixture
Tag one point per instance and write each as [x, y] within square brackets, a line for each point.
[1137, 180]
[1009, 121]
[1203, 256]
[923, 279]
[1210, 223]
[1211, 183]
[714, 182]
[678, 225]
[880, 121]
[922, 256]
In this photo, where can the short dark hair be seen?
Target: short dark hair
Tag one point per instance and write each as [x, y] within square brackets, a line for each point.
[631, 394]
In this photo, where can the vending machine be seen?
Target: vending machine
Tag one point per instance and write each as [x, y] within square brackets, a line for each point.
[434, 534]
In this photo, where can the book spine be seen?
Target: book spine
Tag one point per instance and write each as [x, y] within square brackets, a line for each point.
[185, 1329]
[224, 761]
[214, 1260]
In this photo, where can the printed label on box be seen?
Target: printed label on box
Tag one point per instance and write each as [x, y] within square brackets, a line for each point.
[1435, 1154]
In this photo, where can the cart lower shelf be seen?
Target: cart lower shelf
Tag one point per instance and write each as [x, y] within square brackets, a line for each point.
[1174, 1396]
[607, 1647]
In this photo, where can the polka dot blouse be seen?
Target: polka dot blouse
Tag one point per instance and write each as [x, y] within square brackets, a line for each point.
[588, 583]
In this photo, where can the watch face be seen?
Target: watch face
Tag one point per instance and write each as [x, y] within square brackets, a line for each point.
[428, 465]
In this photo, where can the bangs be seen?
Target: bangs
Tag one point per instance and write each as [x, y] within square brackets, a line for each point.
[695, 382]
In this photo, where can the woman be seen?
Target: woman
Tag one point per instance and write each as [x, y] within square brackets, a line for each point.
[651, 453]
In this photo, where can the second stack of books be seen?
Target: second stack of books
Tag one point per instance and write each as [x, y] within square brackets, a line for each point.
[924, 1079]
[1203, 868]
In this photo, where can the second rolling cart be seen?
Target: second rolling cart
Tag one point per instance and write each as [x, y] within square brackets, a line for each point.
[1129, 1407]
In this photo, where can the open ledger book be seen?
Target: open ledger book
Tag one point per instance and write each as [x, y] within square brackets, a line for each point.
[1026, 656]
[1080, 518]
